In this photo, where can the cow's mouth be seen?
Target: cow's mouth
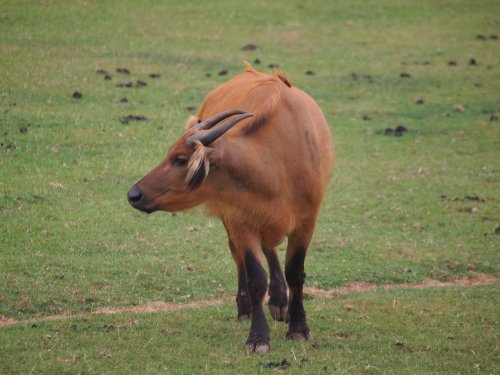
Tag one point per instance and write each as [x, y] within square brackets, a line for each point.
[139, 201]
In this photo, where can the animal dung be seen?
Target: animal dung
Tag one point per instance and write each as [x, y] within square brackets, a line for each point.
[398, 132]
[249, 47]
[127, 119]
[122, 70]
[77, 95]
[127, 84]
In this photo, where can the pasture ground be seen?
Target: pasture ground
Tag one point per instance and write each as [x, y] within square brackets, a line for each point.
[402, 208]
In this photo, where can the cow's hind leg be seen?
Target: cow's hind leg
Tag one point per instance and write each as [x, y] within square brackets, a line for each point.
[298, 243]
[278, 300]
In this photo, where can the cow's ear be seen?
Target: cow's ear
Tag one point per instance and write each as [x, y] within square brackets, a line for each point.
[198, 167]
[192, 121]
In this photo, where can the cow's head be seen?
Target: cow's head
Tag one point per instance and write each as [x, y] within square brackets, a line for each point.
[174, 184]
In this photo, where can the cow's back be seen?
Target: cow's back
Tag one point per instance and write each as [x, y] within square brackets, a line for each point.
[284, 152]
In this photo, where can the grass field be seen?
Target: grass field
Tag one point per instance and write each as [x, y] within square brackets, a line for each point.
[424, 205]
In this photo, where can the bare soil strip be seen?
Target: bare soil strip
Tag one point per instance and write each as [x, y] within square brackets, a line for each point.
[366, 287]
[159, 306]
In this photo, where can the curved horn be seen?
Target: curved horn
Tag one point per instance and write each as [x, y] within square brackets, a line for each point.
[212, 121]
[212, 135]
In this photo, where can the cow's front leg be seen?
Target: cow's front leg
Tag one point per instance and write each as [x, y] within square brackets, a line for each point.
[258, 338]
[242, 296]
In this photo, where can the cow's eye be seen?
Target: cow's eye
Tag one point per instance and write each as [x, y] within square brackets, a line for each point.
[179, 161]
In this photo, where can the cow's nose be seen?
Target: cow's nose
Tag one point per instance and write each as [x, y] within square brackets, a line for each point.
[134, 194]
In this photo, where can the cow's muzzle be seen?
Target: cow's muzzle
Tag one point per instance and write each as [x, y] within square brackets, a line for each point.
[138, 200]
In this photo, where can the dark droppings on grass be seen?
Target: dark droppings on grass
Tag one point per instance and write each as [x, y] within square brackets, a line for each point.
[473, 198]
[256, 61]
[426, 62]
[309, 73]
[420, 101]
[123, 100]
[223, 72]
[273, 66]
[465, 198]
[484, 37]
[23, 130]
[107, 77]
[154, 75]
[473, 61]
[127, 119]
[122, 70]
[77, 95]
[127, 84]
[101, 72]
[452, 63]
[190, 109]
[249, 47]
[281, 366]
[141, 83]
[405, 75]
[398, 132]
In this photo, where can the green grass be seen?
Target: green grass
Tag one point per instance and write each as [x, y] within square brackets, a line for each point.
[384, 332]
[399, 209]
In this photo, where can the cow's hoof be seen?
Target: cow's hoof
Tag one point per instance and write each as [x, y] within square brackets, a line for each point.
[244, 317]
[278, 313]
[257, 348]
[300, 332]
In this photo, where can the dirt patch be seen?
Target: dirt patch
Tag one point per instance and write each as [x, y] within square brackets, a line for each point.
[367, 287]
[154, 307]
[159, 306]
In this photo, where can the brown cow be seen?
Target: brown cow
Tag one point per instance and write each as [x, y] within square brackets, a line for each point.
[265, 179]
